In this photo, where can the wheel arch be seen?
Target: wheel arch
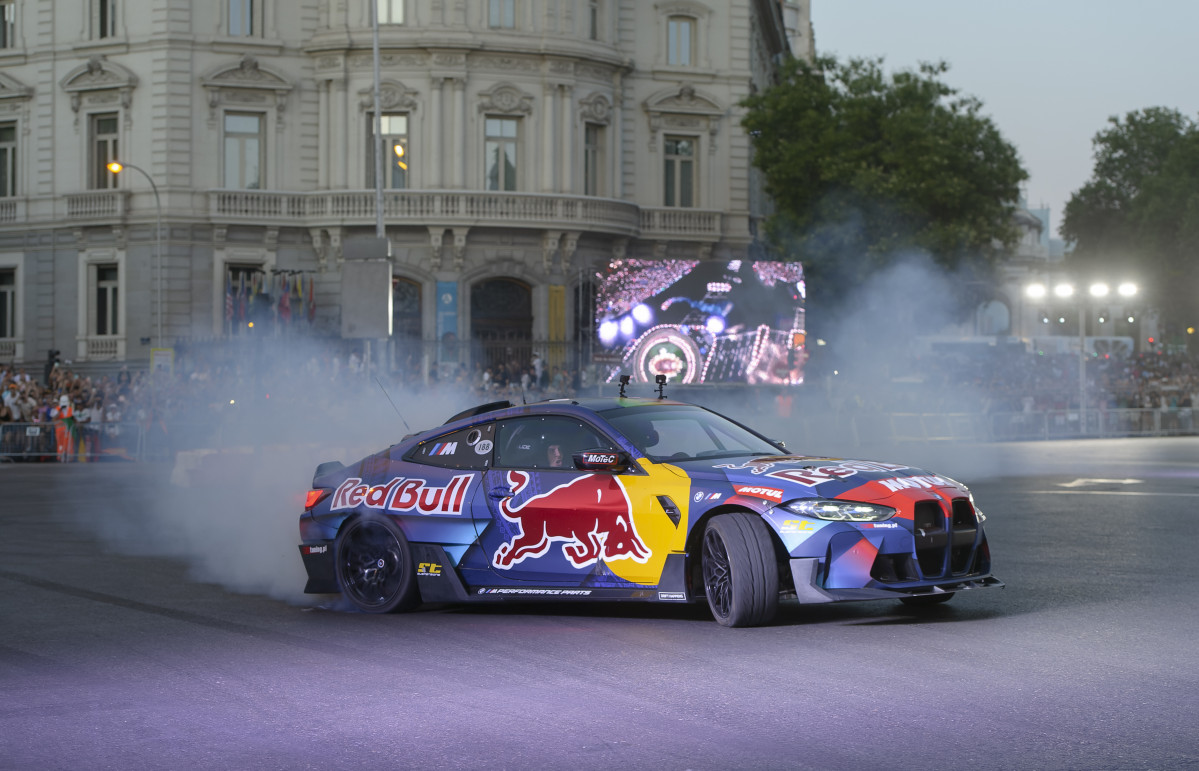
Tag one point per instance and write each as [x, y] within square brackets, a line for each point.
[695, 540]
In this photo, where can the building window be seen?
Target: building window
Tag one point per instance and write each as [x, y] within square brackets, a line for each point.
[245, 18]
[405, 309]
[501, 13]
[593, 20]
[593, 159]
[390, 11]
[107, 286]
[394, 129]
[8, 24]
[104, 18]
[680, 172]
[8, 160]
[8, 302]
[680, 41]
[500, 151]
[243, 151]
[104, 134]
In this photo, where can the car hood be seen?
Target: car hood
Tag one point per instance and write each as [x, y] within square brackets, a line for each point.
[781, 478]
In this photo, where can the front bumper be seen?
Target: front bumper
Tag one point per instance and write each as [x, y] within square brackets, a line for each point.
[806, 574]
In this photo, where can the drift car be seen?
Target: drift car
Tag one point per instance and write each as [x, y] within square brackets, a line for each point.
[632, 499]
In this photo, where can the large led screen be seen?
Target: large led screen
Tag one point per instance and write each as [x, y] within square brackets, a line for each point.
[696, 322]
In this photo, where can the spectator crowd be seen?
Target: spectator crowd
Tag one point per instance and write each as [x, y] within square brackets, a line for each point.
[130, 413]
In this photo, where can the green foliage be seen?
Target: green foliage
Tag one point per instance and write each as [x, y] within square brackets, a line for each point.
[1139, 212]
[863, 166]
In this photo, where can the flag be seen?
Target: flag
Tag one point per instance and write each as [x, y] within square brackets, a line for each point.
[311, 299]
[285, 301]
[228, 297]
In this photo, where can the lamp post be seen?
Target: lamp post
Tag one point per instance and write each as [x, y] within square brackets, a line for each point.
[1065, 291]
[116, 167]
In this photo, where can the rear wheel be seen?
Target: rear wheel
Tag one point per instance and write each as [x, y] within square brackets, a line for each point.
[924, 600]
[741, 577]
[374, 566]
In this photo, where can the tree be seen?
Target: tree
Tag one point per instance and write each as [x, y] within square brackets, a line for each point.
[863, 167]
[1139, 212]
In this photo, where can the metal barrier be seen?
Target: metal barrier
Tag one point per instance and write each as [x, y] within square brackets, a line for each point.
[87, 443]
[159, 442]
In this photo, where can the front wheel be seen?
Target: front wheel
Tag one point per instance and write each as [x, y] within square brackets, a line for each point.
[374, 566]
[741, 578]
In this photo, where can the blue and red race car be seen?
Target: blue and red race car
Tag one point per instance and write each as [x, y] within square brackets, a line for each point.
[632, 499]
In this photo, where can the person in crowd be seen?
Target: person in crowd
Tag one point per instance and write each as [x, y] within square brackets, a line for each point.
[64, 429]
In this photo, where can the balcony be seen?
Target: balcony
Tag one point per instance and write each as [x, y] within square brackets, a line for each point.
[97, 205]
[419, 208]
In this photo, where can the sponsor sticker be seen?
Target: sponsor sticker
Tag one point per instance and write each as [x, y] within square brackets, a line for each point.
[915, 483]
[672, 596]
[483, 447]
[590, 516]
[428, 569]
[754, 491]
[315, 549]
[541, 592]
[403, 495]
[698, 497]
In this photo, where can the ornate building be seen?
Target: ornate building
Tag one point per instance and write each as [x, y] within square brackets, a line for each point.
[526, 144]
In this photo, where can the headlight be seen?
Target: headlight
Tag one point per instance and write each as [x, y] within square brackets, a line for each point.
[844, 511]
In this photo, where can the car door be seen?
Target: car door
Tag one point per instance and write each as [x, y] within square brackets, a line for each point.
[551, 523]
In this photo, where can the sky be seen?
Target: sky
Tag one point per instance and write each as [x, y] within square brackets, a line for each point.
[1048, 72]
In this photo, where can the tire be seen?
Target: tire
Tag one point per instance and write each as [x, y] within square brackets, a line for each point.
[374, 566]
[925, 600]
[741, 578]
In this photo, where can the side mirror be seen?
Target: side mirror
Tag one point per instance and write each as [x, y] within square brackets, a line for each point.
[614, 461]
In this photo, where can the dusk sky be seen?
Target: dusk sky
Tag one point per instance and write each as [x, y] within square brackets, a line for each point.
[1049, 73]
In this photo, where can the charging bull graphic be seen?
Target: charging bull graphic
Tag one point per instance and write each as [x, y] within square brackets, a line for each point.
[591, 516]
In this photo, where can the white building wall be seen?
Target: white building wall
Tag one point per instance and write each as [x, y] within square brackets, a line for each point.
[172, 71]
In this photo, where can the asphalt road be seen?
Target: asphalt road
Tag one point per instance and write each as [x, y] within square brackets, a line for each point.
[147, 626]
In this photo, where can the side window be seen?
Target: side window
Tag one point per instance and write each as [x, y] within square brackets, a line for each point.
[469, 448]
[544, 443]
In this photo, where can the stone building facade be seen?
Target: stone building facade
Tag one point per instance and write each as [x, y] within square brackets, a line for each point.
[540, 139]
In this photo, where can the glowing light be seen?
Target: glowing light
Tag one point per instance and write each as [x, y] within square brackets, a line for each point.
[1127, 289]
[1099, 290]
[714, 324]
[115, 167]
[250, 325]
[1064, 290]
[626, 326]
[642, 313]
[233, 401]
[1035, 291]
[400, 157]
[608, 331]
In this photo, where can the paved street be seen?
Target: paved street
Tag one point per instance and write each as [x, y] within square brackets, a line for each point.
[149, 626]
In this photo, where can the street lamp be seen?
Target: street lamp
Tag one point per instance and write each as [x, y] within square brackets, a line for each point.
[1065, 291]
[116, 167]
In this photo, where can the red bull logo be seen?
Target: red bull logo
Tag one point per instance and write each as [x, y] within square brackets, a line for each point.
[403, 495]
[590, 516]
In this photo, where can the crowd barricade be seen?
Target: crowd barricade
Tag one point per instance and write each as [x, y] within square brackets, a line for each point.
[108, 442]
[86, 444]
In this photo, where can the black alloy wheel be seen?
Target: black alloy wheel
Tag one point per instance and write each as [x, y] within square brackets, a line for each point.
[740, 570]
[374, 566]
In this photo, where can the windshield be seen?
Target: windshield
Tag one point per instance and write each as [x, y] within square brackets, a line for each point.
[685, 433]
